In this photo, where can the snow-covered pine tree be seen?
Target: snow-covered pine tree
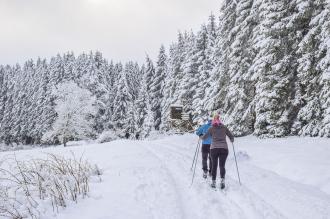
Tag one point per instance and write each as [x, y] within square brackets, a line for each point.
[46, 108]
[68, 62]
[140, 104]
[307, 86]
[152, 85]
[201, 64]
[122, 103]
[134, 77]
[324, 66]
[211, 39]
[238, 105]
[3, 100]
[9, 118]
[144, 117]
[175, 67]
[22, 102]
[42, 108]
[80, 68]
[273, 71]
[132, 72]
[110, 106]
[157, 87]
[149, 72]
[167, 91]
[205, 71]
[75, 108]
[189, 79]
[56, 70]
[219, 78]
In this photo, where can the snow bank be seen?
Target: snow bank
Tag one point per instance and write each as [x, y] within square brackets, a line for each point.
[301, 159]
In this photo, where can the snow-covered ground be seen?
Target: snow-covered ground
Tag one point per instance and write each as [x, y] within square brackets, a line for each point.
[282, 178]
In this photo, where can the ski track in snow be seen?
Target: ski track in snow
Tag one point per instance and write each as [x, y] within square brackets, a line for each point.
[235, 203]
[264, 194]
[170, 177]
[151, 180]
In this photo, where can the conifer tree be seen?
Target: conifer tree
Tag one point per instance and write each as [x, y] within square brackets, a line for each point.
[188, 80]
[324, 67]
[168, 89]
[122, 103]
[144, 116]
[153, 84]
[238, 105]
[157, 86]
[219, 79]
[273, 71]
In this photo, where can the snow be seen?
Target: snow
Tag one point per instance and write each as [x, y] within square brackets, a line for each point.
[281, 178]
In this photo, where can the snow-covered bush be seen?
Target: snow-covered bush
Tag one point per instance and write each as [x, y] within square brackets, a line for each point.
[28, 188]
[74, 107]
[107, 136]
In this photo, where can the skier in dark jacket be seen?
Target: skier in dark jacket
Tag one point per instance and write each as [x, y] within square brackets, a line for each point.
[206, 143]
[219, 148]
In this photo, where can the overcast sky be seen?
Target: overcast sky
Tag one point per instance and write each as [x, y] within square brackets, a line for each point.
[121, 29]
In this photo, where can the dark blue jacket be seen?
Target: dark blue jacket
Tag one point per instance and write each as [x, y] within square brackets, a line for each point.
[202, 131]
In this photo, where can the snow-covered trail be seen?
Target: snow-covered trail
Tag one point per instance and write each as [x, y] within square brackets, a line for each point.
[264, 194]
[151, 179]
[201, 199]
[136, 184]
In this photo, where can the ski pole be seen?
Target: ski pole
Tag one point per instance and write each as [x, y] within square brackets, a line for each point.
[192, 180]
[239, 179]
[192, 165]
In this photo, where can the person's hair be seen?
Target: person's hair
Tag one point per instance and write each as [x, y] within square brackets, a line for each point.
[216, 120]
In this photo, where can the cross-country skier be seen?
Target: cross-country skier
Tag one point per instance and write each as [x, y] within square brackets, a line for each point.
[206, 143]
[219, 148]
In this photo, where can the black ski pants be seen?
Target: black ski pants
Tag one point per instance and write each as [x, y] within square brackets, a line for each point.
[206, 156]
[218, 154]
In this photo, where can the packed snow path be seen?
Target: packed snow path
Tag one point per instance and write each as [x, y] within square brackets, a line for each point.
[151, 179]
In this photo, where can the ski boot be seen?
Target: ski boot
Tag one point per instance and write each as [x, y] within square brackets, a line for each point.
[205, 174]
[213, 184]
[222, 183]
